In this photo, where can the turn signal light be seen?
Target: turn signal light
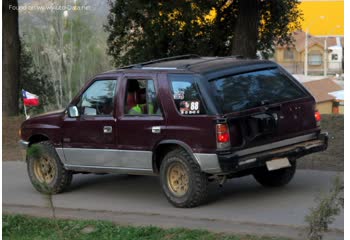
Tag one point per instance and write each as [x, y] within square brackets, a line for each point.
[222, 133]
[317, 116]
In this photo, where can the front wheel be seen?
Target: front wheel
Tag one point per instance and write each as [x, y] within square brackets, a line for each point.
[183, 183]
[45, 170]
[276, 178]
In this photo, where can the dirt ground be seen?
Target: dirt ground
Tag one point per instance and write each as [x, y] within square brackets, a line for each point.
[332, 159]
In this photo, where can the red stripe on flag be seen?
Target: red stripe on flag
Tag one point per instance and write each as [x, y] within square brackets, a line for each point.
[31, 101]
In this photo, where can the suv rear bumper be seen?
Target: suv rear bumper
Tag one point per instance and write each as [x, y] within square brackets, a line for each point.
[257, 156]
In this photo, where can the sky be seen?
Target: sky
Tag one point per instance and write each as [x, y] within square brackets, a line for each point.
[323, 17]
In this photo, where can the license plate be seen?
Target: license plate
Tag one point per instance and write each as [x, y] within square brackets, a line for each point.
[277, 164]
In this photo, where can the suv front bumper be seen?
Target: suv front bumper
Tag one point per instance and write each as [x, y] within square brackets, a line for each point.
[257, 156]
[24, 144]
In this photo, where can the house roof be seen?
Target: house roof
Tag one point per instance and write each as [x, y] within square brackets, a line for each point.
[320, 89]
[299, 41]
[339, 95]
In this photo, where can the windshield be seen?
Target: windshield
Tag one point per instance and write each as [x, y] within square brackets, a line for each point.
[253, 89]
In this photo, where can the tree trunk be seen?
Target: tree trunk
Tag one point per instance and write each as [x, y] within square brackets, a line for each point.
[246, 29]
[10, 58]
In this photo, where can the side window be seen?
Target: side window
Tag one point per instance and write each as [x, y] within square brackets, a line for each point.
[141, 98]
[186, 95]
[98, 99]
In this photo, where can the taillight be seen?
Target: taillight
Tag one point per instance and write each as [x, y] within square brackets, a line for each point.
[318, 117]
[222, 135]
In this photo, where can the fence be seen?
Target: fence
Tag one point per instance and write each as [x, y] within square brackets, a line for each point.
[314, 68]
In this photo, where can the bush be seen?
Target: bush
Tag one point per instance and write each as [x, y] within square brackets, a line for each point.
[324, 213]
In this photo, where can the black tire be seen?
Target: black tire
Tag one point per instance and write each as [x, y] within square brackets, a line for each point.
[197, 187]
[60, 178]
[276, 178]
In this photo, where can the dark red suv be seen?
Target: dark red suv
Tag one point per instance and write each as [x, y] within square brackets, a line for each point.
[188, 119]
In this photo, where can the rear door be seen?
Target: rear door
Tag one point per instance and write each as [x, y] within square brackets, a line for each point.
[264, 106]
[141, 124]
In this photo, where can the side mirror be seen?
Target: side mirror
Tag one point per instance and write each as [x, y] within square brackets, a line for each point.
[73, 112]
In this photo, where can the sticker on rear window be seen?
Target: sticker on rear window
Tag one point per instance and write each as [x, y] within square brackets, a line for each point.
[189, 107]
[180, 95]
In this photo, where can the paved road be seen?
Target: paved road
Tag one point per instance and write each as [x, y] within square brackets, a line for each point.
[241, 205]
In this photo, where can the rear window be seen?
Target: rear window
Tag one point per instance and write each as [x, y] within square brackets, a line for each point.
[253, 89]
[186, 94]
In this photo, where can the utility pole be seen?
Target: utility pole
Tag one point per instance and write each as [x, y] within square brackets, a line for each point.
[306, 52]
[325, 58]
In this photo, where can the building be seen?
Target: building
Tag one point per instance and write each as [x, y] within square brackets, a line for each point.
[323, 52]
[325, 91]
[324, 21]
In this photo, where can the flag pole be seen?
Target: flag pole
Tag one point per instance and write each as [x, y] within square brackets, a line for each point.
[25, 111]
[24, 106]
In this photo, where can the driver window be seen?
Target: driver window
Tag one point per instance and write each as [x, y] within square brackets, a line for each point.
[98, 99]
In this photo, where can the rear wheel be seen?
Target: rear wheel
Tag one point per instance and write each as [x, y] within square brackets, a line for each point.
[183, 183]
[276, 178]
[45, 170]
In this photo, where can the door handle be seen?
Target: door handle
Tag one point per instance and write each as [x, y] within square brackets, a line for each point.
[156, 129]
[107, 129]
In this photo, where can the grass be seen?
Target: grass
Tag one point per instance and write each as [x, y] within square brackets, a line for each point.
[25, 227]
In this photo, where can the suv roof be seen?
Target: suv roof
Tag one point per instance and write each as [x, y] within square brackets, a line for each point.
[197, 64]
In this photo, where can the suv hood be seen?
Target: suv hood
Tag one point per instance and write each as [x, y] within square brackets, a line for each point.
[49, 118]
[48, 114]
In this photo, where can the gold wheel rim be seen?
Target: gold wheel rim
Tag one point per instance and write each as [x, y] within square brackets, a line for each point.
[45, 169]
[178, 179]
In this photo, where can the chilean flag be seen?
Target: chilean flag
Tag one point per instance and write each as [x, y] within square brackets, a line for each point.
[30, 99]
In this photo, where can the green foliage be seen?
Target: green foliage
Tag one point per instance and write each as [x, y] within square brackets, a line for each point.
[141, 30]
[34, 151]
[34, 80]
[69, 50]
[22, 227]
[279, 19]
[324, 213]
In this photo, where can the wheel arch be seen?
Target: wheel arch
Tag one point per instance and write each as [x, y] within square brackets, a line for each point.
[37, 138]
[163, 147]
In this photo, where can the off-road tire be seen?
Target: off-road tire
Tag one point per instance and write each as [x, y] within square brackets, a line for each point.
[197, 180]
[276, 178]
[62, 178]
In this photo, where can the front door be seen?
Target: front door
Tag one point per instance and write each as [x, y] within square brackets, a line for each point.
[88, 138]
[141, 124]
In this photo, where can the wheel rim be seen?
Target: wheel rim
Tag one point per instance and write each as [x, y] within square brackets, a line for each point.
[178, 179]
[45, 169]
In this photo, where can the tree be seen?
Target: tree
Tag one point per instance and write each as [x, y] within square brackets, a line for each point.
[69, 47]
[246, 29]
[141, 30]
[10, 56]
[279, 19]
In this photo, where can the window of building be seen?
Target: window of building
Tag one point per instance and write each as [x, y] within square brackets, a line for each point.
[315, 58]
[288, 54]
[334, 56]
